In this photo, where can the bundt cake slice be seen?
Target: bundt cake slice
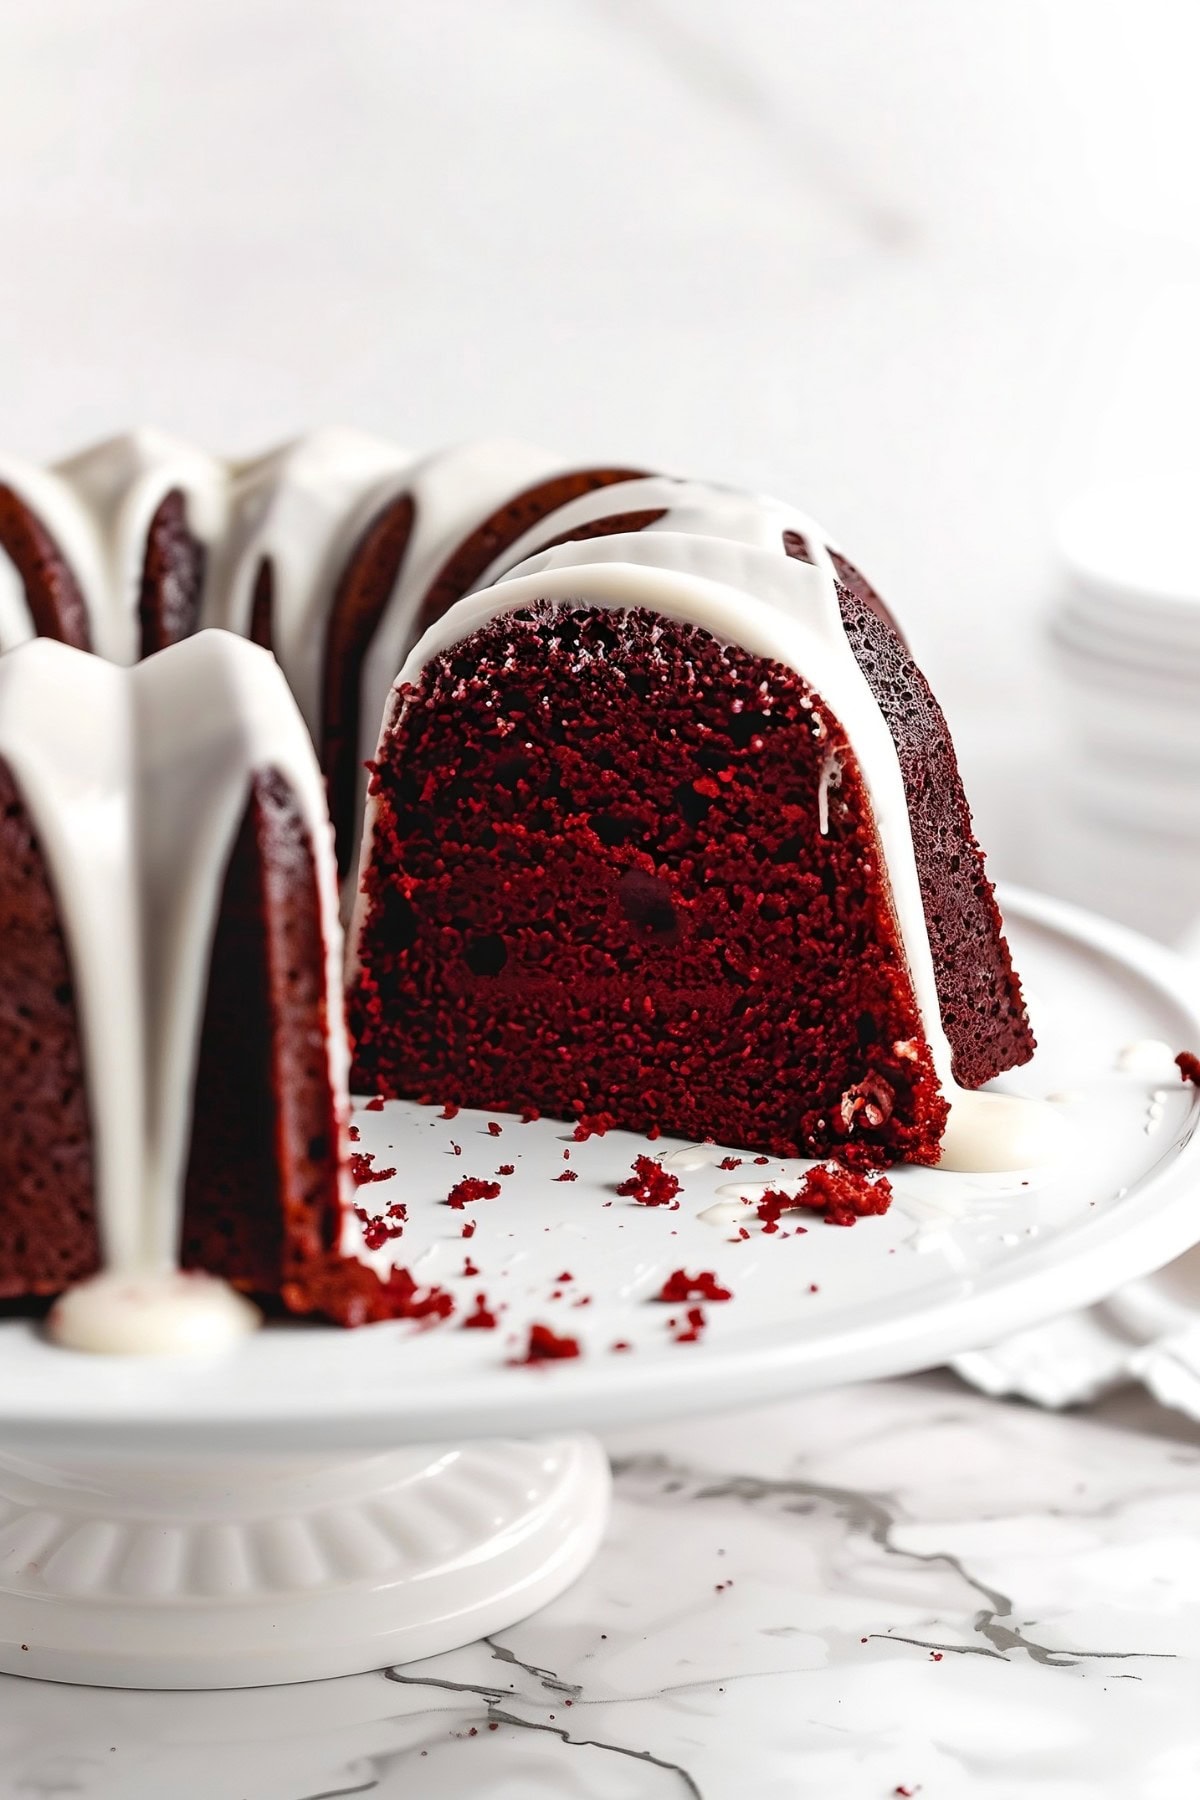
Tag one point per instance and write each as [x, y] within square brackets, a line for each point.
[639, 850]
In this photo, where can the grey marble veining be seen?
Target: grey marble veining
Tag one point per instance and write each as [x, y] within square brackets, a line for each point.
[900, 1586]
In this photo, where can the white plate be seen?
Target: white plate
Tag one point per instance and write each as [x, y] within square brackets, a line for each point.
[959, 1261]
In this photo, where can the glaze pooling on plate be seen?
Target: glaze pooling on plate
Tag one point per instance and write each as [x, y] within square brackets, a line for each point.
[119, 1313]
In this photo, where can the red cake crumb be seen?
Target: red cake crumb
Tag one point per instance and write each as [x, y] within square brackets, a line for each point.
[352, 1294]
[771, 1206]
[507, 1169]
[449, 1111]
[471, 1187]
[842, 1195]
[398, 1210]
[621, 1344]
[565, 1276]
[456, 1148]
[730, 1162]
[469, 1267]
[353, 1133]
[1189, 1067]
[679, 1285]
[762, 1160]
[547, 1346]
[469, 1229]
[529, 1114]
[363, 1170]
[593, 1125]
[410, 1301]
[376, 1231]
[375, 1104]
[567, 1175]
[482, 1319]
[650, 1184]
[905, 1793]
[695, 1326]
[494, 1130]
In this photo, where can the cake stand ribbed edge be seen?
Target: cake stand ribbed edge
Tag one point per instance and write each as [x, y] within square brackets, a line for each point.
[180, 1574]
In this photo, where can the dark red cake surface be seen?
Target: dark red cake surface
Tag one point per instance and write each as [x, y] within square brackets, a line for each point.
[983, 1013]
[262, 1205]
[600, 884]
[56, 604]
[360, 598]
[47, 1198]
[172, 577]
[261, 629]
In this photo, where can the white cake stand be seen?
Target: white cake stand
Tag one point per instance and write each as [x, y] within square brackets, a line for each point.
[277, 1513]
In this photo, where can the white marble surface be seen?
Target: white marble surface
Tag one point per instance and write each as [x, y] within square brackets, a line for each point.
[901, 1586]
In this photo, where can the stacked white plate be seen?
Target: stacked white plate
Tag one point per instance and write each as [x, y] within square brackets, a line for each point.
[1126, 638]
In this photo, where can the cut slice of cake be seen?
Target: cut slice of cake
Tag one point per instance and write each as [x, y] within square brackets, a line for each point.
[648, 841]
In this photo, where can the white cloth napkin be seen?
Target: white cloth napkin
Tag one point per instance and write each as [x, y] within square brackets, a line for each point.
[1148, 1332]
[1076, 1359]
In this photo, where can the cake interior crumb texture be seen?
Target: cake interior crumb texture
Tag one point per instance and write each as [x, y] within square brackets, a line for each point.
[621, 867]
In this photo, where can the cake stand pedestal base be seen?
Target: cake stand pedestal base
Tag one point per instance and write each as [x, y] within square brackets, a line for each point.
[233, 1572]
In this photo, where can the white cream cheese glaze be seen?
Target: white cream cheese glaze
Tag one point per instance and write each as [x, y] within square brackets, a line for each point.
[169, 1314]
[300, 508]
[136, 781]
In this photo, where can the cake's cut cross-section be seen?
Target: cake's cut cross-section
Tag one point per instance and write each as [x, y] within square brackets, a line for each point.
[620, 866]
[665, 826]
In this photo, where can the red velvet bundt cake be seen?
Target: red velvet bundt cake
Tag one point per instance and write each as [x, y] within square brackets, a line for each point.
[664, 829]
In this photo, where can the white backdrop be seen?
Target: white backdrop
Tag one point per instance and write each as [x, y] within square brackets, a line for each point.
[924, 267]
